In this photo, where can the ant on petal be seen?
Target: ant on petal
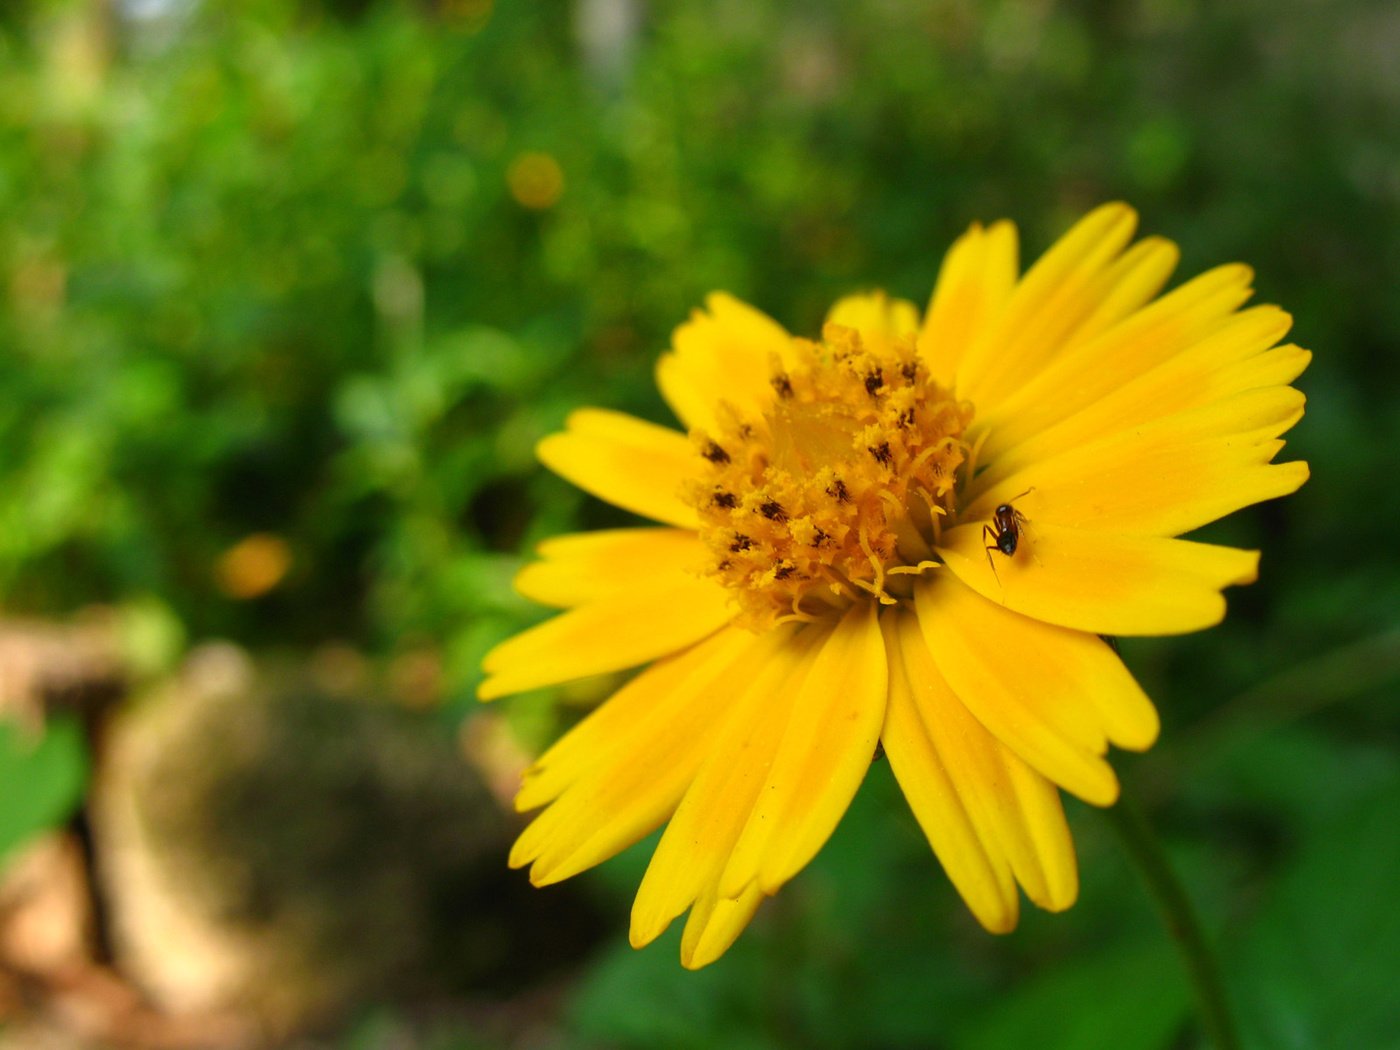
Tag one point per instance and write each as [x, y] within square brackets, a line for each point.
[1005, 530]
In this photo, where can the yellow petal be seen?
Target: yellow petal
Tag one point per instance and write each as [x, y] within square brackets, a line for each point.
[586, 566]
[1122, 289]
[1014, 812]
[625, 723]
[1048, 871]
[1231, 360]
[714, 924]
[611, 796]
[654, 619]
[1069, 669]
[879, 319]
[697, 842]
[1101, 582]
[1185, 384]
[635, 465]
[977, 277]
[1056, 295]
[1166, 477]
[975, 867]
[1092, 369]
[1032, 685]
[821, 761]
[724, 352]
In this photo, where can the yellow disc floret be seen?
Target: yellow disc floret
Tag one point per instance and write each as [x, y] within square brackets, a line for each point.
[836, 493]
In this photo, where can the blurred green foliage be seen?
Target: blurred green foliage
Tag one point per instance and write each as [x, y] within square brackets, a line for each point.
[327, 272]
[42, 776]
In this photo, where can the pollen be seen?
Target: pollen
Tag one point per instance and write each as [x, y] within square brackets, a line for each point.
[838, 491]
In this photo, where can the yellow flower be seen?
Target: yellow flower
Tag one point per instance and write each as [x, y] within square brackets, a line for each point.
[913, 532]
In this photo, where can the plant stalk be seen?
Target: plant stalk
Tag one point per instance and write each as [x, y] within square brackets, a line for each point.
[1145, 849]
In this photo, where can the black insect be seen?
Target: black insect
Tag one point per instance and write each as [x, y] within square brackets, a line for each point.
[714, 453]
[1005, 529]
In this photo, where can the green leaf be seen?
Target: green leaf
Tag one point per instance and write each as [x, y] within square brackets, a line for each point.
[1319, 966]
[41, 780]
[643, 999]
[1122, 998]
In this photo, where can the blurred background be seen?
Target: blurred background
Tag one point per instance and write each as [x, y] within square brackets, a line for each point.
[290, 288]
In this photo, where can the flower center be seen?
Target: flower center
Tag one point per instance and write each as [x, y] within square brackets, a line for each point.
[836, 493]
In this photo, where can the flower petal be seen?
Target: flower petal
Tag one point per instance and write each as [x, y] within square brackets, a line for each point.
[653, 699]
[879, 319]
[1057, 294]
[1101, 582]
[1036, 687]
[618, 774]
[1166, 477]
[1092, 369]
[632, 464]
[977, 277]
[586, 566]
[975, 867]
[654, 619]
[1121, 289]
[1191, 384]
[825, 752]
[715, 923]
[971, 793]
[697, 842]
[1231, 359]
[723, 353]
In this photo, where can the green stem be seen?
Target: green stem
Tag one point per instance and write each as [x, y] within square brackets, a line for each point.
[1182, 922]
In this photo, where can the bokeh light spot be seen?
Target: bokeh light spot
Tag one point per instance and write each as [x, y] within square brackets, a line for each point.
[536, 180]
[253, 566]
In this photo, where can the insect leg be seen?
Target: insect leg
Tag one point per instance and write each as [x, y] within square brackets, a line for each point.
[987, 530]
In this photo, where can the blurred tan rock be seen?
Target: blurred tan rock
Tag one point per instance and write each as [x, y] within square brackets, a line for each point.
[54, 994]
[268, 851]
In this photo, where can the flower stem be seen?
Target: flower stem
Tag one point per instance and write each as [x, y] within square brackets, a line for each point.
[1182, 922]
